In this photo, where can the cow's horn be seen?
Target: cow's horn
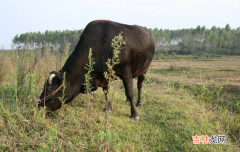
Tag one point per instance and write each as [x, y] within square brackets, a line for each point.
[50, 78]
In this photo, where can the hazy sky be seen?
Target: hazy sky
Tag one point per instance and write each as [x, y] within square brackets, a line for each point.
[18, 16]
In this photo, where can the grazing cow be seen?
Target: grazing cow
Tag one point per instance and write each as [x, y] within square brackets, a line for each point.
[135, 58]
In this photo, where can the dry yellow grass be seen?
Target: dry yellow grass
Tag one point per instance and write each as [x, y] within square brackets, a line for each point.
[231, 63]
[221, 71]
[170, 115]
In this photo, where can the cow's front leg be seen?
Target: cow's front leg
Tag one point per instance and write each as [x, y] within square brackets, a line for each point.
[127, 101]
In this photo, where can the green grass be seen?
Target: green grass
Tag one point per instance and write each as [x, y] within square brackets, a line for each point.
[167, 72]
[174, 108]
[169, 118]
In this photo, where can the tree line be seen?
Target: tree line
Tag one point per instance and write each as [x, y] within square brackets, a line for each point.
[195, 41]
[198, 41]
[55, 40]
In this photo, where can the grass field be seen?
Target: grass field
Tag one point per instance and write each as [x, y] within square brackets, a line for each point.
[182, 97]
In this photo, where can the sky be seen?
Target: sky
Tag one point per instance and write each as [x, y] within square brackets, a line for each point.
[18, 16]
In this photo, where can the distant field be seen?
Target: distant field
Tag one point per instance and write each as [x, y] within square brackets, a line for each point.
[225, 63]
[182, 98]
[221, 71]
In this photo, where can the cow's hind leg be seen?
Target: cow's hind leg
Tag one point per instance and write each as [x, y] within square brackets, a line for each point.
[139, 86]
[128, 85]
[108, 103]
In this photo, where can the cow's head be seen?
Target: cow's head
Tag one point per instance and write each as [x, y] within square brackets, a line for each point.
[52, 92]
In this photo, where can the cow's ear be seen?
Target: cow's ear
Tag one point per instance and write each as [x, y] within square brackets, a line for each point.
[60, 75]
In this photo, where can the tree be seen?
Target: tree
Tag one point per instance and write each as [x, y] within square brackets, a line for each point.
[198, 29]
[214, 28]
[228, 28]
[203, 29]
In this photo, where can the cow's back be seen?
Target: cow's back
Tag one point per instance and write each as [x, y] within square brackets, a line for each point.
[138, 50]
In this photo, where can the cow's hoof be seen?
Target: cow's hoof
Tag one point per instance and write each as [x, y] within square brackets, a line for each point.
[138, 105]
[127, 102]
[108, 110]
[135, 118]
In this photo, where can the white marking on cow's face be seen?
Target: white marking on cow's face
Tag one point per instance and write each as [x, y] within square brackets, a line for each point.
[50, 78]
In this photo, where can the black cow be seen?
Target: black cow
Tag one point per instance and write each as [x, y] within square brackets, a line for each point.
[135, 58]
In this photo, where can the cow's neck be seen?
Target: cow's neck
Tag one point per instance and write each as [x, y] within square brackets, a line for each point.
[75, 71]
